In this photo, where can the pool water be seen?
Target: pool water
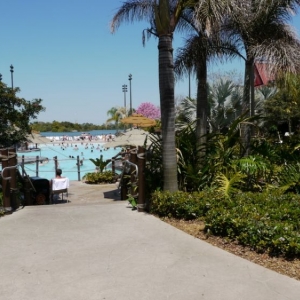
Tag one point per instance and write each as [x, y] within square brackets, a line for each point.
[67, 159]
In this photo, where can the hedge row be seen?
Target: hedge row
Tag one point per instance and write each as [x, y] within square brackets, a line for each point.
[267, 222]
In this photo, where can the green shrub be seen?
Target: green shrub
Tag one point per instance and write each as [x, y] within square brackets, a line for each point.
[266, 222]
[104, 177]
[181, 205]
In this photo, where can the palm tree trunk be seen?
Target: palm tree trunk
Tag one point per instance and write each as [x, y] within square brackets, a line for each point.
[245, 128]
[167, 104]
[201, 123]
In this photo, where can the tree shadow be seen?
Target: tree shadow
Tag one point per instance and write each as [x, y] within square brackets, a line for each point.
[113, 194]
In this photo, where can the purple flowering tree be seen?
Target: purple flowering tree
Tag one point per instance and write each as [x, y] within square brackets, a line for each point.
[149, 110]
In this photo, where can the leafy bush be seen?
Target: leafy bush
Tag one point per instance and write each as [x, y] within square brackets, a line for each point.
[96, 178]
[266, 222]
[181, 205]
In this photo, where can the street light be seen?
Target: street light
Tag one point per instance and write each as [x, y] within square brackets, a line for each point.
[12, 76]
[130, 78]
[124, 89]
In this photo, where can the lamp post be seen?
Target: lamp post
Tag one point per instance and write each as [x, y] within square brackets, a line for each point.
[124, 89]
[130, 78]
[12, 76]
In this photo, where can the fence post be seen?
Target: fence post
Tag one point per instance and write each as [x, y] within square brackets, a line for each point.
[55, 164]
[141, 179]
[12, 161]
[5, 183]
[23, 165]
[37, 166]
[113, 165]
[78, 167]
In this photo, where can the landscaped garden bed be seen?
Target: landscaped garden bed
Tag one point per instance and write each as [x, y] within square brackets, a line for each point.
[261, 227]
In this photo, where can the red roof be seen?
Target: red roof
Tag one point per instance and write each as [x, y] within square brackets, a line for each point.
[262, 73]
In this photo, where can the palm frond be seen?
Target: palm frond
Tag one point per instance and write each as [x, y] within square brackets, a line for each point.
[290, 177]
[133, 10]
[228, 186]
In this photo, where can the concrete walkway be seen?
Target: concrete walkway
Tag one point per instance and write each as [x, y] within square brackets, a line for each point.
[96, 248]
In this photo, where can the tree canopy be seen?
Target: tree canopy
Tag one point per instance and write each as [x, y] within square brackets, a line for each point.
[15, 115]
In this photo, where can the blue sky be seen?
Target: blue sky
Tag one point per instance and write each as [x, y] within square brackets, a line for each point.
[63, 52]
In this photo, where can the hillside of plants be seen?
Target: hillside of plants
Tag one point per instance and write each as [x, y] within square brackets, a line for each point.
[251, 199]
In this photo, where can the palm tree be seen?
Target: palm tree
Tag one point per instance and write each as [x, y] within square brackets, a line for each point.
[259, 27]
[204, 44]
[116, 113]
[224, 107]
[186, 114]
[225, 99]
[163, 16]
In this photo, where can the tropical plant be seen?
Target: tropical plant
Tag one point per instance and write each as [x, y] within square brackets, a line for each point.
[116, 114]
[203, 44]
[100, 163]
[154, 170]
[186, 115]
[96, 178]
[189, 175]
[227, 184]
[163, 16]
[225, 101]
[259, 27]
[284, 106]
[289, 178]
[15, 115]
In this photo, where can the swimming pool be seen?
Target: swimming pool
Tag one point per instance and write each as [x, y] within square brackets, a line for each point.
[67, 158]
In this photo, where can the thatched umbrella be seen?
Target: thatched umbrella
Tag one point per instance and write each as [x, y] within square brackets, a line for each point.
[138, 120]
[134, 137]
[36, 139]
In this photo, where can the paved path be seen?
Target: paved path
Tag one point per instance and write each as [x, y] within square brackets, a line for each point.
[96, 248]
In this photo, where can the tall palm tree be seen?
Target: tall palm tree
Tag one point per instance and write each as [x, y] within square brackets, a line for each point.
[115, 114]
[205, 42]
[259, 27]
[163, 16]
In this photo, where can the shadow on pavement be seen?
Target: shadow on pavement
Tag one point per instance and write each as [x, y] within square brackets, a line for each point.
[114, 195]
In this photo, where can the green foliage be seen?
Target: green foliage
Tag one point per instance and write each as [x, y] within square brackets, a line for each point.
[115, 115]
[188, 172]
[153, 169]
[257, 171]
[284, 106]
[65, 126]
[266, 222]
[226, 185]
[132, 201]
[181, 205]
[15, 115]
[100, 163]
[96, 178]
[289, 178]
